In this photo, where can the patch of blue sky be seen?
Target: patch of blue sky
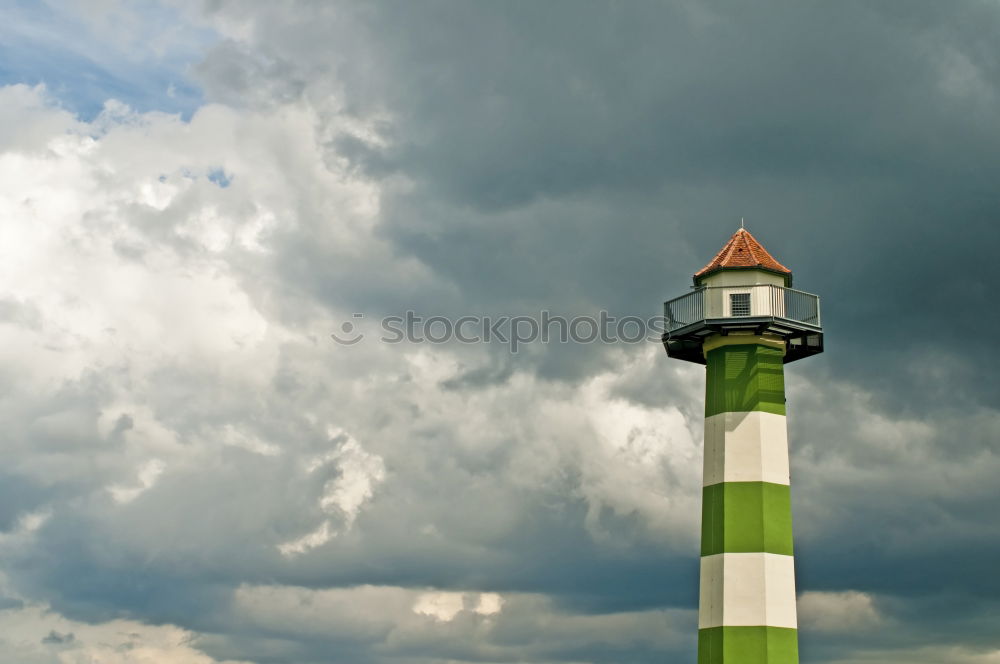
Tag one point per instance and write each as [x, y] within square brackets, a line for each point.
[220, 177]
[139, 53]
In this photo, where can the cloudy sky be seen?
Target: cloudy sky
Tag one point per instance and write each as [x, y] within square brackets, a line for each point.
[195, 195]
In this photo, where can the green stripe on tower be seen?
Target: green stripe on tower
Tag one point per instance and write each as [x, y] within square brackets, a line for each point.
[746, 517]
[748, 645]
[744, 378]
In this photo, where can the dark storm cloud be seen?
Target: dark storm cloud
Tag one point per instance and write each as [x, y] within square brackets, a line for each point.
[595, 155]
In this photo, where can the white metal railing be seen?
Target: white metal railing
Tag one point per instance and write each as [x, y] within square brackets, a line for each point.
[765, 300]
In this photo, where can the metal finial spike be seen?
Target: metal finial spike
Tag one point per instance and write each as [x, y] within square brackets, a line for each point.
[741, 224]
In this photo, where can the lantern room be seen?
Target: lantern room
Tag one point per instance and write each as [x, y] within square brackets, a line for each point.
[743, 291]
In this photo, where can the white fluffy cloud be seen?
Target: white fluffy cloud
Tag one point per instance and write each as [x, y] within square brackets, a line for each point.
[31, 633]
[175, 394]
[358, 474]
[477, 625]
[838, 612]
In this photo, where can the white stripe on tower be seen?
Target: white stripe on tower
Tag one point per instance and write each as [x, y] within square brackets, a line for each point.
[747, 589]
[746, 447]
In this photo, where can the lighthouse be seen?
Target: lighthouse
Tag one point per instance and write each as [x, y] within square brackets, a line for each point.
[744, 322]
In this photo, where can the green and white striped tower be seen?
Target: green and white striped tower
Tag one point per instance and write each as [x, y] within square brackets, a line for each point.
[744, 322]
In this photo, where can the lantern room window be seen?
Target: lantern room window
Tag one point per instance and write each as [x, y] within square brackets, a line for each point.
[739, 304]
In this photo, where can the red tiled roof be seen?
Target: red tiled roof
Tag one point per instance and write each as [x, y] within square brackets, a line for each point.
[743, 250]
